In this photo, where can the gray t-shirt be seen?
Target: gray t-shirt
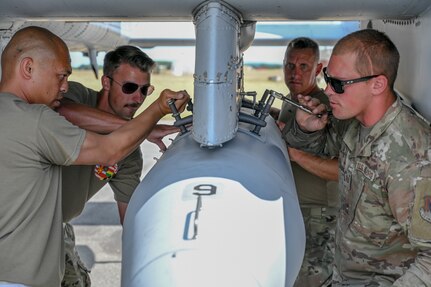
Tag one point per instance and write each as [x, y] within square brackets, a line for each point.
[35, 143]
[313, 191]
[80, 183]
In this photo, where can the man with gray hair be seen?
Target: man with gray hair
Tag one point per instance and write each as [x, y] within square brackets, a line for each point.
[315, 177]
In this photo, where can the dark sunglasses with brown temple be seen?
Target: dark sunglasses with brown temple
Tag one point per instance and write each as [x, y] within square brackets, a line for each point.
[130, 87]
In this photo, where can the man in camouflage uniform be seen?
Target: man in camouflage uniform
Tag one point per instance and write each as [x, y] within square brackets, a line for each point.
[125, 85]
[383, 234]
[315, 177]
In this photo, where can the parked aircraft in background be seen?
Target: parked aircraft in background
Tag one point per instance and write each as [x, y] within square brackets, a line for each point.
[219, 208]
[90, 38]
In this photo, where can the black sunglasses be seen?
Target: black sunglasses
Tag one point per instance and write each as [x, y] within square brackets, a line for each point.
[338, 85]
[130, 87]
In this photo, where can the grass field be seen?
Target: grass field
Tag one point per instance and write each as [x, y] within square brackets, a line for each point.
[255, 80]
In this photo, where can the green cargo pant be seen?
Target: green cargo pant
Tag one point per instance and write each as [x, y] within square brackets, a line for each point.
[75, 274]
[316, 269]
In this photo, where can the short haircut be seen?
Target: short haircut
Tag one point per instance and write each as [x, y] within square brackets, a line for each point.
[127, 55]
[375, 53]
[304, 43]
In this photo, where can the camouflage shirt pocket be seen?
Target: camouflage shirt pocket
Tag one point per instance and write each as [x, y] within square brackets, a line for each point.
[372, 219]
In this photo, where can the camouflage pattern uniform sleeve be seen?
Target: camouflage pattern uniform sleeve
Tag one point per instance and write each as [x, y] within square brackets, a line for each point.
[311, 142]
[410, 200]
[326, 142]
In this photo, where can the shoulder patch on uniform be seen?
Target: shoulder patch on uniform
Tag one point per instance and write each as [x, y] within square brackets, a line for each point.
[365, 170]
[105, 172]
[420, 225]
[425, 210]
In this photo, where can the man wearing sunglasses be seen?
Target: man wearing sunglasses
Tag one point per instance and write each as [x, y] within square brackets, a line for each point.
[315, 177]
[125, 86]
[383, 234]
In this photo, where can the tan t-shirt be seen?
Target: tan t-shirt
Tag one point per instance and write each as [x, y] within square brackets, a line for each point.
[35, 142]
[312, 190]
[80, 183]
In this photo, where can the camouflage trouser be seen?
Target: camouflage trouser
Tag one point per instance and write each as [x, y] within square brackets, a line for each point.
[75, 274]
[316, 269]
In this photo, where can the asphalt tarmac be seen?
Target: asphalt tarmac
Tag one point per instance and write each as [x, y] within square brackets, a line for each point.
[98, 230]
